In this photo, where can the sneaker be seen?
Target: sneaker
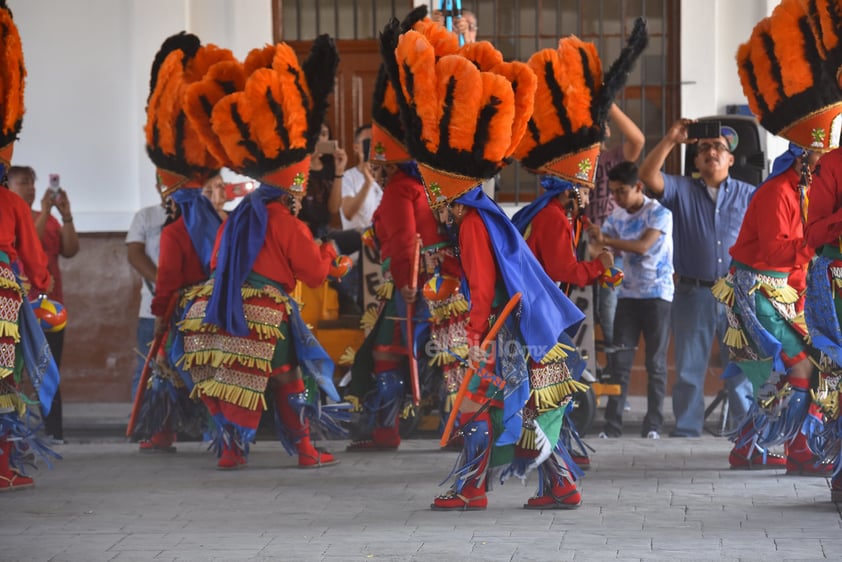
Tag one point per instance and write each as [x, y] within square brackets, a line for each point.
[603, 435]
[627, 407]
[653, 435]
[54, 440]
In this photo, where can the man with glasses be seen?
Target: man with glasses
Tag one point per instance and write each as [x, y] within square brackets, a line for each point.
[707, 213]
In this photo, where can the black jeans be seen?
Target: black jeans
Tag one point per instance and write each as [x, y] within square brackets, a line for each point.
[651, 317]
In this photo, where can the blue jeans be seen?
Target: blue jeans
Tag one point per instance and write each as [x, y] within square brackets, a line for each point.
[696, 318]
[145, 334]
[650, 317]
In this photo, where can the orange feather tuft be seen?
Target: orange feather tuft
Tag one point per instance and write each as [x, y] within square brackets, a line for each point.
[571, 75]
[230, 135]
[287, 66]
[789, 47]
[164, 104]
[262, 85]
[483, 54]
[259, 58]
[766, 85]
[221, 79]
[444, 42]
[743, 56]
[206, 57]
[12, 74]
[415, 55]
[525, 84]
[500, 126]
[465, 103]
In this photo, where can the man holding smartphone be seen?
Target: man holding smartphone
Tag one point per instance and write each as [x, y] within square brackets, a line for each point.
[57, 239]
[361, 193]
[708, 213]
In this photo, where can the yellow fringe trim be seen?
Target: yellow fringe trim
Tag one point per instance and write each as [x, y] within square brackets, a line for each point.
[785, 294]
[723, 292]
[9, 330]
[557, 353]
[348, 356]
[441, 312]
[785, 391]
[369, 317]
[216, 358]
[528, 439]
[735, 338]
[356, 404]
[550, 397]
[408, 412]
[800, 321]
[243, 397]
[263, 331]
[385, 290]
[828, 402]
[13, 401]
[10, 284]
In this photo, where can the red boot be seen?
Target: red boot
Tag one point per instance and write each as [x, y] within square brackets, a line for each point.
[11, 479]
[468, 493]
[160, 442]
[800, 460]
[308, 455]
[562, 496]
[751, 456]
[231, 459]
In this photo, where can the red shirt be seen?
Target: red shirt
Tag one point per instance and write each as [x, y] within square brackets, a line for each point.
[402, 213]
[19, 239]
[178, 265]
[51, 242]
[772, 235]
[824, 215]
[551, 240]
[289, 252]
[480, 270]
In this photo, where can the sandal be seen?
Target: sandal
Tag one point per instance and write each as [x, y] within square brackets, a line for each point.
[16, 481]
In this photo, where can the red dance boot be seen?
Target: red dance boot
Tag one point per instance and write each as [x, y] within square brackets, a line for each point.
[231, 459]
[287, 396]
[11, 479]
[160, 442]
[800, 460]
[563, 495]
[751, 456]
[468, 493]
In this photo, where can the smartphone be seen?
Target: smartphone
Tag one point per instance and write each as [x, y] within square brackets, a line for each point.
[55, 184]
[326, 147]
[366, 149]
[704, 130]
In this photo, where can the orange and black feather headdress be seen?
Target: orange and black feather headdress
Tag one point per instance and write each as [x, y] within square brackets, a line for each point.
[387, 134]
[12, 75]
[461, 124]
[269, 128]
[789, 74]
[571, 106]
[173, 142]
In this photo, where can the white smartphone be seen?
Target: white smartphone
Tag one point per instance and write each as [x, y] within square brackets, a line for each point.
[55, 184]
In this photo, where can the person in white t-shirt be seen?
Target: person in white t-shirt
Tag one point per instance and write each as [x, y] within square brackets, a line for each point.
[361, 193]
[143, 243]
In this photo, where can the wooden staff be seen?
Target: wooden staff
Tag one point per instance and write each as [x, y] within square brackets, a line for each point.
[147, 365]
[463, 389]
[410, 337]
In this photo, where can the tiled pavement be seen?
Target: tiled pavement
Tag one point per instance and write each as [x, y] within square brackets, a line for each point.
[667, 499]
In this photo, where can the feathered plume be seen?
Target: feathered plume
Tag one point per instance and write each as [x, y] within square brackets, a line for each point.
[173, 142]
[459, 121]
[12, 76]
[571, 105]
[274, 121]
[794, 92]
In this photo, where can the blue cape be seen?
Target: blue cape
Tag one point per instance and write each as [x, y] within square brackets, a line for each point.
[242, 239]
[785, 161]
[201, 220]
[553, 186]
[546, 314]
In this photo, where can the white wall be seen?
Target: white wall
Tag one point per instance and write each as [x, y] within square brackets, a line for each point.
[88, 79]
[89, 74]
[711, 32]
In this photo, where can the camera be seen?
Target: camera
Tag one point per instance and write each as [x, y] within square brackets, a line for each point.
[326, 147]
[704, 130]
